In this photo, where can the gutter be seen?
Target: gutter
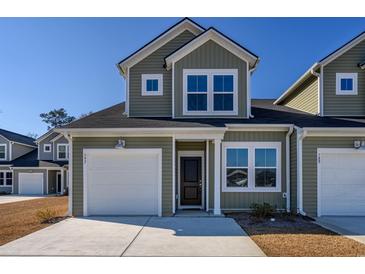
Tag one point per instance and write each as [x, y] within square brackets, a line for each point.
[250, 72]
[301, 134]
[70, 169]
[287, 151]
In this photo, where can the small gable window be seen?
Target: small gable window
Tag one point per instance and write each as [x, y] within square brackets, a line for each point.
[346, 83]
[47, 148]
[152, 84]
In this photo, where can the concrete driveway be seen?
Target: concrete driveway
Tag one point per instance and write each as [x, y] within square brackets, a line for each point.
[352, 227]
[137, 236]
[4, 199]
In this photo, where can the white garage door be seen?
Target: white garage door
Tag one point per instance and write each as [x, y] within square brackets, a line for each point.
[341, 189]
[122, 182]
[31, 183]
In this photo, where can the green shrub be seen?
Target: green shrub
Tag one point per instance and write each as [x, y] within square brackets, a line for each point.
[46, 215]
[264, 210]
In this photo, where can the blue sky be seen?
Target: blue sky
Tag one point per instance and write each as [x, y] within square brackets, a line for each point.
[48, 63]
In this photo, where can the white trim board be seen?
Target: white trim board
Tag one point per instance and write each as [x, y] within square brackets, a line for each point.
[191, 153]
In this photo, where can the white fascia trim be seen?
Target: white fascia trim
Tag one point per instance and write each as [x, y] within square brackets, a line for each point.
[22, 144]
[296, 84]
[213, 35]
[321, 97]
[258, 127]
[44, 136]
[126, 110]
[162, 40]
[342, 50]
[37, 167]
[56, 138]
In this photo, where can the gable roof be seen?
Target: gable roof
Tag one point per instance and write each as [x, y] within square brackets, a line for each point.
[17, 138]
[163, 38]
[324, 61]
[218, 37]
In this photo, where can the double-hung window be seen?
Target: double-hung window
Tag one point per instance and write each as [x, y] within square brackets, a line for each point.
[6, 178]
[3, 152]
[251, 167]
[152, 84]
[210, 91]
[346, 83]
[62, 151]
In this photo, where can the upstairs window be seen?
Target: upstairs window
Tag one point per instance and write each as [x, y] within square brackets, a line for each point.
[152, 84]
[197, 92]
[62, 152]
[210, 92]
[2, 152]
[346, 83]
[47, 148]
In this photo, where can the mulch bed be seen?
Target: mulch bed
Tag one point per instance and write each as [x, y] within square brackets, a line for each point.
[296, 236]
[20, 218]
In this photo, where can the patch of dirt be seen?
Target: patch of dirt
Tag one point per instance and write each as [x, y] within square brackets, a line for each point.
[20, 218]
[296, 236]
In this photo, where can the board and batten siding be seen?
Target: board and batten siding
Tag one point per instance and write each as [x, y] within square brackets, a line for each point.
[345, 105]
[210, 55]
[243, 200]
[304, 97]
[154, 106]
[79, 143]
[310, 146]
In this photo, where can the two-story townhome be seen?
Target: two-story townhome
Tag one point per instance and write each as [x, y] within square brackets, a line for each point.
[189, 136]
[33, 167]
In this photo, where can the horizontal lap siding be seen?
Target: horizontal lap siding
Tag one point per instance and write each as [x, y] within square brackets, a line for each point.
[154, 64]
[46, 155]
[244, 200]
[305, 97]
[310, 146]
[211, 56]
[131, 142]
[342, 104]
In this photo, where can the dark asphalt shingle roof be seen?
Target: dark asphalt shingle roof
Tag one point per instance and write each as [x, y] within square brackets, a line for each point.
[30, 160]
[15, 137]
[264, 111]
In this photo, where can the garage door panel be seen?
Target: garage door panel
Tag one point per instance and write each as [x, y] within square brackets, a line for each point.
[122, 183]
[342, 184]
[31, 183]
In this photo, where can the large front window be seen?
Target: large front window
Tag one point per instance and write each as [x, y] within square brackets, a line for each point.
[6, 178]
[251, 167]
[2, 152]
[210, 92]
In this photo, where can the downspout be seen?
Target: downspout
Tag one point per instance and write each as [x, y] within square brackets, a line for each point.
[318, 75]
[70, 169]
[250, 71]
[301, 134]
[287, 150]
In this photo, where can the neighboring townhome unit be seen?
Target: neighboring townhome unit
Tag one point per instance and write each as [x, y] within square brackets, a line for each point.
[189, 136]
[39, 168]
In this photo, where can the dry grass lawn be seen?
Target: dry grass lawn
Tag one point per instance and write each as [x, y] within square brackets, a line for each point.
[19, 219]
[294, 236]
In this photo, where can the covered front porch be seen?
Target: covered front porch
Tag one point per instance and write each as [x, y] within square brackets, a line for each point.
[196, 175]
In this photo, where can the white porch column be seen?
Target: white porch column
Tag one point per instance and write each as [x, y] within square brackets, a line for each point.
[217, 176]
[62, 181]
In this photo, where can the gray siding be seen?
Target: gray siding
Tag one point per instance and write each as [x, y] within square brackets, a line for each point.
[46, 155]
[16, 178]
[310, 146]
[211, 56]
[52, 181]
[4, 141]
[345, 105]
[244, 200]
[20, 150]
[153, 64]
[293, 172]
[131, 142]
[305, 97]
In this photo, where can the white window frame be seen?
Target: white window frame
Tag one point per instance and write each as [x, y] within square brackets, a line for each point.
[158, 77]
[251, 146]
[6, 152]
[352, 76]
[210, 93]
[58, 150]
[49, 146]
[4, 174]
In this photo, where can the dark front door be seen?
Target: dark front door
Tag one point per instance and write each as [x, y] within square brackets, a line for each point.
[191, 181]
[59, 185]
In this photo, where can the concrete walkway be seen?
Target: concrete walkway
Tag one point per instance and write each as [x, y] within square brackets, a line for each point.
[137, 236]
[352, 227]
[4, 199]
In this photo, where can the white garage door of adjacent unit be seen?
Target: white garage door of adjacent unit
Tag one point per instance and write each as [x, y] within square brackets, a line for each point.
[341, 179]
[31, 183]
[122, 182]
